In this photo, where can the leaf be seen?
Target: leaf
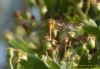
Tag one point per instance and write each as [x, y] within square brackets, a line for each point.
[92, 30]
[20, 67]
[53, 65]
[33, 62]
[83, 60]
[29, 3]
[90, 27]
[51, 4]
[91, 22]
[95, 59]
[20, 44]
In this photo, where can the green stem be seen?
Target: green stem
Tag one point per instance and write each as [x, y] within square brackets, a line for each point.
[88, 7]
[11, 54]
[81, 13]
[10, 62]
[17, 67]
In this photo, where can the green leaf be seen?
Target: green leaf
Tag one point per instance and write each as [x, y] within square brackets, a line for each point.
[33, 62]
[83, 60]
[20, 67]
[92, 30]
[29, 3]
[95, 59]
[20, 44]
[53, 65]
[90, 27]
[91, 22]
[51, 4]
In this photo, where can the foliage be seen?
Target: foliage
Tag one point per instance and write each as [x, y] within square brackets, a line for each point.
[66, 37]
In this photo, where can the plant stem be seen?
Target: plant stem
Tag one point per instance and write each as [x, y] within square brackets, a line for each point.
[10, 62]
[11, 54]
[17, 67]
[88, 7]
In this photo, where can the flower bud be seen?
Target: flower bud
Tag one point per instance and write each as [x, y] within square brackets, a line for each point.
[28, 14]
[71, 34]
[91, 43]
[10, 52]
[55, 33]
[48, 45]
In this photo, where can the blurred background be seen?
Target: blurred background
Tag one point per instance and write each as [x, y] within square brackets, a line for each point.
[7, 8]
[53, 9]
